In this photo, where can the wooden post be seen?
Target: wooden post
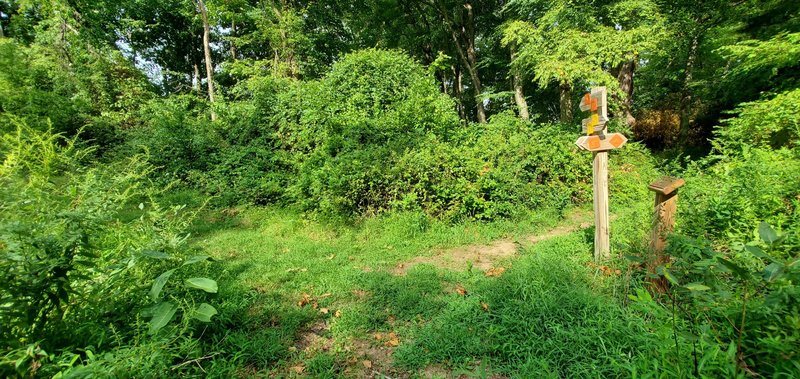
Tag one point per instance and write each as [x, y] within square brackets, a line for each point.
[600, 186]
[666, 205]
[599, 142]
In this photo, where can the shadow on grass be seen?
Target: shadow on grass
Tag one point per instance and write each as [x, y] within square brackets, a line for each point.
[540, 318]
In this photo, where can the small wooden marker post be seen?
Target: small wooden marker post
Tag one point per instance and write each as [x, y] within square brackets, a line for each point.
[599, 143]
[666, 206]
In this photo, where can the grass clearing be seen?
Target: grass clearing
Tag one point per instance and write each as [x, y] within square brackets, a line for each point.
[306, 298]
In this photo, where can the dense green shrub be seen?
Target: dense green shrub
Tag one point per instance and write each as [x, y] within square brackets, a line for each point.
[374, 135]
[235, 159]
[75, 90]
[346, 131]
[494, 170]
[734, 277]
[177, 137]
[729, 198]
[78, 256]
[771, 123]
[744, 301]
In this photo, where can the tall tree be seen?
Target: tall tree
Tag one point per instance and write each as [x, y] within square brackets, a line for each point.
[460, 20]
[517, 83]
[571, 44]
[201, 6]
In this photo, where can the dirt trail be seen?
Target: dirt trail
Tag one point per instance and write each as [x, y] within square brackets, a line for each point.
[485, 257]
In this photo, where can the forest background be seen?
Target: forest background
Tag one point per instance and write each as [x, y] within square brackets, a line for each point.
[127, 124]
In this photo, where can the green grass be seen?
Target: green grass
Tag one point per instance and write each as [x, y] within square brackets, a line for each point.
[550, 314]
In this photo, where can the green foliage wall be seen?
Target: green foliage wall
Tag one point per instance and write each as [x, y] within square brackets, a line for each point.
[77, 256]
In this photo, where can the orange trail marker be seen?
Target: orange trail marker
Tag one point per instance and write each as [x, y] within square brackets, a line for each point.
[602, 142]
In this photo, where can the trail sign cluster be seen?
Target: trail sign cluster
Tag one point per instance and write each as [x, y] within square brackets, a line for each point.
[599, 142]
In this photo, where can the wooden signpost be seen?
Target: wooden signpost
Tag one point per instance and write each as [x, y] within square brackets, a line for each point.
[599, 142]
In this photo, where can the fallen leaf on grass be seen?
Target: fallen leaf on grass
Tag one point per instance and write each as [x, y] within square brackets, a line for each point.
[392, 340]
[461, 291]
[337, 314]
[608, 271]
[323, 311]
[367, 364]
[378, 336]
[298, 369]
[330, 257]
[495, 272]
[304, 300]
[485, 306]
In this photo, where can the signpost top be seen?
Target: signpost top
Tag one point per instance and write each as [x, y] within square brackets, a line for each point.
[595, 102]
[666, 185]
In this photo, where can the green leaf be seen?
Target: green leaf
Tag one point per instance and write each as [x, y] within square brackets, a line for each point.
[204, 284]
[195, 259]
[773, 271]
[158, 284]
[204, 312]
[767, 234]
[755, 250]
[155, 254]
[162, 315]
[663, 271]
[733, 267]
[697, 287]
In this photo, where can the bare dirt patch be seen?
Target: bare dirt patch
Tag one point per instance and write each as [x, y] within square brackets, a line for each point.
[369, 360]
[312, 339]
[436, 372]
[487, 257]
[482, 257]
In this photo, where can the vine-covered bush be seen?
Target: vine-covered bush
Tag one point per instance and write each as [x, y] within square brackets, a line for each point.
[374, 135]
[346, 131]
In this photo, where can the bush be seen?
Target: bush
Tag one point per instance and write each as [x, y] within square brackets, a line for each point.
[374, 135]
[77, 266]
[493, 171]
[770, 123]
[346, 131]
[728, 198]
[77, 90]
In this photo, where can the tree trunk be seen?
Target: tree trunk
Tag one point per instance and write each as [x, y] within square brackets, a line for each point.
[233, 44]
[197, 79]
[472, 56]
[625, 78]
[686, 97]
[565, 102]
[1, 30]
[458, 86]
[207, 51]
[464, 40]
[519, 94]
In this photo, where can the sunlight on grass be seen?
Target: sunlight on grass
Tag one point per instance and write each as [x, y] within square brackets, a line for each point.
[297, 279]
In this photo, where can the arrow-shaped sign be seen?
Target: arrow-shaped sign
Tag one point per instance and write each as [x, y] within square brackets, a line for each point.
[601, 142]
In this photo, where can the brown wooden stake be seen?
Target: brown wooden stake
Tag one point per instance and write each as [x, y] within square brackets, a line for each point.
[666, 206]
[601, 231]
